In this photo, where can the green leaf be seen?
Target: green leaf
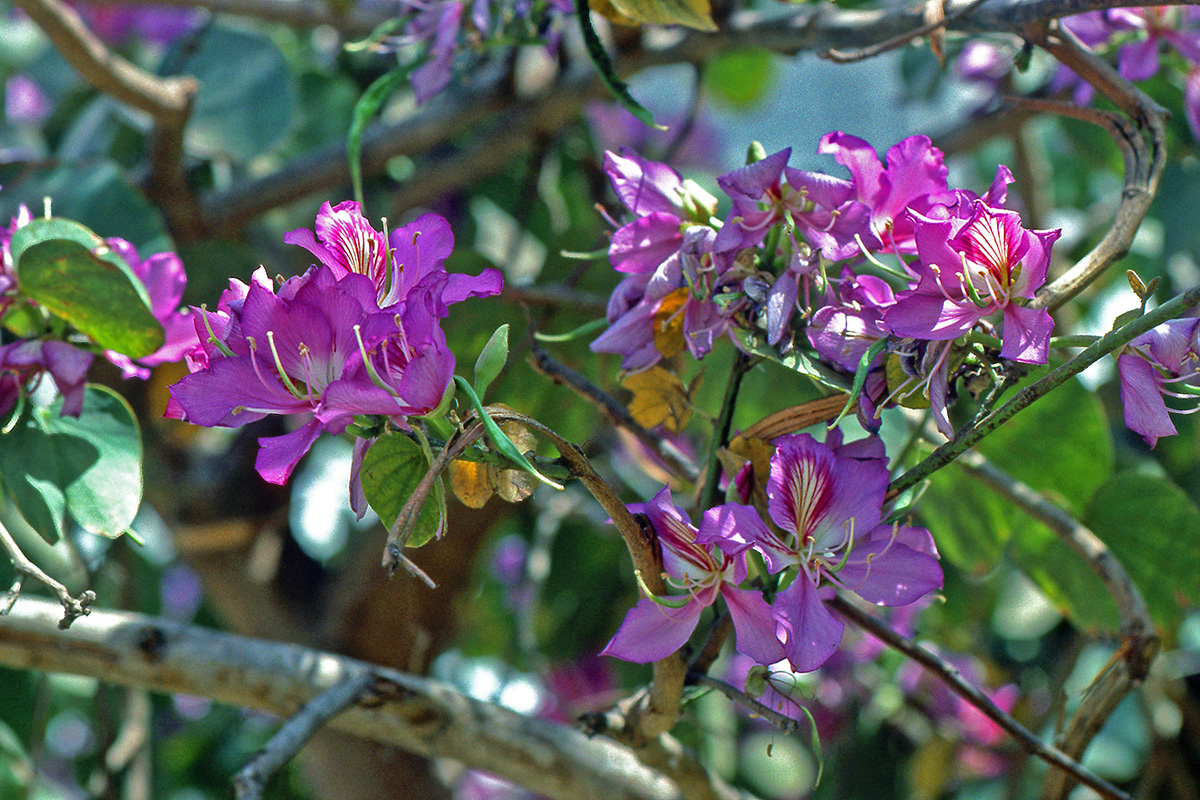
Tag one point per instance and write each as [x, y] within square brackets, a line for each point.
[492, 359]
[92, 293]
[739, 77]
[1153, 527]
[364, 111]
[608, 72]
[247, 95]
[44, 229]
[98, 196]
[1061, 446]
[391, 470]
[89, 467]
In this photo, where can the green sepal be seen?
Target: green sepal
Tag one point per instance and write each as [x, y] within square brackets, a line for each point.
[492, 359]
[364, 111]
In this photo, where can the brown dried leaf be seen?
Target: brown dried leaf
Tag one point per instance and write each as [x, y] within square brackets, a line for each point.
[659, 398]
[668, 323]
[790, 420]
[471, 483]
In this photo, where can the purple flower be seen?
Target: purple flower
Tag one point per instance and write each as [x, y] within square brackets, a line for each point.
[768, 192]
[1149, 365]
[914, 177]
[664, 204]
[656, 315]
[658, 626]
[976, 262]
[358, 333]
[23, 362]
[828, 499]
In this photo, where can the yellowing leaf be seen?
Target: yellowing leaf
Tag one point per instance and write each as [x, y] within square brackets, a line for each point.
[659, 398]
[471, 483]
[474, 483]
[668, 323]
[692, 13]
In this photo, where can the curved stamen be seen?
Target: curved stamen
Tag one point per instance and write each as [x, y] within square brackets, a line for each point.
[283, 376]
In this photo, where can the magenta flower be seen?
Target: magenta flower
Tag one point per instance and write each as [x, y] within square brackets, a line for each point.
[358, 333]
[768, 192]
[658, 626]
[345, 242]
[914, 177]
[978, 261]
[664, 204]
[828, 499]
[23, 362]
[1148, 367]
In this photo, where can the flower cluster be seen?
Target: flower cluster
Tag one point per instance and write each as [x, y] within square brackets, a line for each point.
[357, 334]
[960, 263]
[825, 503]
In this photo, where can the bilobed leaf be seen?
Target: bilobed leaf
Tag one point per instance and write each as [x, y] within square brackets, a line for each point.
[1153, 527]
[92, 293]
[391, 470]
[739, 77]
[247, 93]
[89, 467]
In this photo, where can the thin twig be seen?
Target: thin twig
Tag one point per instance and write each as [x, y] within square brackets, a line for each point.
[406, 520]
[657, 710]
[168, 101]
[1140, 638]
[756, 707]
[617, 413]
[956, 683]
[1141, 139]
[721, 428]
[422, 716]
[73, 608]
[355, 20]
[863, 53]
[1108, 343]
[250, 782]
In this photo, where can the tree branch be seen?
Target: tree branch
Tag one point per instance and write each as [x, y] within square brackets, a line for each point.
[1108, 343]
[1144, 160]
[168, 101]
[418, 715]
[1140, 638]
[956, 683]
[249, 783]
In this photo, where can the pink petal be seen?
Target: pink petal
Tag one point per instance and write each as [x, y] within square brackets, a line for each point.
[651, 632]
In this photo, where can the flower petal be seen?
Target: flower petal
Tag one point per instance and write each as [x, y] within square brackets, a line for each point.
[651, 632]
